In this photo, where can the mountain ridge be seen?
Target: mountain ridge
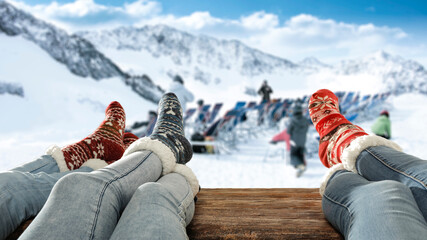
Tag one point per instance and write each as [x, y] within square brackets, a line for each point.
[206, 61]
[79, 55]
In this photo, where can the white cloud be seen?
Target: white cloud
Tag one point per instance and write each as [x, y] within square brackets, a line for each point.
[260, 21]
[79, 8]
[306, 35]
[82, 14]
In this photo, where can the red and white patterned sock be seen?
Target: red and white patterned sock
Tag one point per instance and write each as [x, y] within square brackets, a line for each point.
[129, 138]
[335, 131]
[106, 143]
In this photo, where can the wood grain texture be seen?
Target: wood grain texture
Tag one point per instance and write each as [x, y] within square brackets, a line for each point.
[285, 213]
[254, 213]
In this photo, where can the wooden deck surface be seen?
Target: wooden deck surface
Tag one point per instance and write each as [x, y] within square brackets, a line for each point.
[278, 213]
[238, 213]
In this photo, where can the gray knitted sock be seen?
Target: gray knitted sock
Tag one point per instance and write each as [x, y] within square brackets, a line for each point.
[169, 128]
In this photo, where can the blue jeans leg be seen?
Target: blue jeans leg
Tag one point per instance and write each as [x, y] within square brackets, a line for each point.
[22, 196]
[45, 163]
[384, 163]
[89, 205]
[361, 209]
[159, 210]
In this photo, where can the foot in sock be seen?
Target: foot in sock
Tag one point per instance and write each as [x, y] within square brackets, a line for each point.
[129, 138]
[169, 128]
[336, 132]
[105, 143]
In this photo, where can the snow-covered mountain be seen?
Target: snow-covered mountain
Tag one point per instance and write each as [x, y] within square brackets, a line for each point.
[78, 54]
[312, 62]
[161, 51]
[185, 49]
[397, 74]
[216, 70]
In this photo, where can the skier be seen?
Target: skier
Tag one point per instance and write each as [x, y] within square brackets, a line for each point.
[183, 94]
[297, 129]
[265, 91]
[382, 126]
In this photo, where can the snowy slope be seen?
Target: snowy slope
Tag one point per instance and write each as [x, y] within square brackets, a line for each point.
[76, 53]
[377, 72]
[57, 107]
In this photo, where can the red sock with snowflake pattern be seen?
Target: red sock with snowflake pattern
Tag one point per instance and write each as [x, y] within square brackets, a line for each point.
[336, 132]
[106, 143]
[129, 138]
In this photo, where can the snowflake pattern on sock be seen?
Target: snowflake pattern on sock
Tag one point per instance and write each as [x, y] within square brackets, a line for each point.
[324, 111]
[105, 143]
[169, 128]
[335, 131]
[129, 138]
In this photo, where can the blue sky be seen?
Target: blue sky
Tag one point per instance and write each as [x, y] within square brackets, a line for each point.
[329, 30]
[410, 14]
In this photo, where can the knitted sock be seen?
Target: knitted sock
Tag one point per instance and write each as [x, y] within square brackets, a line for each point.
[129, 138]
[169, 128]
[105, 143]
[336, 132]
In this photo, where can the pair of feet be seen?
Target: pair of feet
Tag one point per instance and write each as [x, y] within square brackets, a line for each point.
[109, 141]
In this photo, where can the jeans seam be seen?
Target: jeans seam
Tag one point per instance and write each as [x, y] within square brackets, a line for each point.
[106, 185]
[32, 170]
[181, 206]
[344, 206]
[397, 170]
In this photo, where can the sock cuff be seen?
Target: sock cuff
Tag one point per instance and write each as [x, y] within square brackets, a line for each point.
[328, 175]
[189, 176]
[95, 163]
[350, 154]
[58, 155]
[164, 153]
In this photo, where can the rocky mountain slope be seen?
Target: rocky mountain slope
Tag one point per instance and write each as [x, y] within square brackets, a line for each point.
[79, 55]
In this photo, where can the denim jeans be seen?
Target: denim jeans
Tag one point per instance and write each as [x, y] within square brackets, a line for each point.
[25, 189]
[89, 205]
[383, 163]
[384, 201]
[159, 210]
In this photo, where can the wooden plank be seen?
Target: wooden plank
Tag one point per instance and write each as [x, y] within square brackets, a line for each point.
[253, 213]
[15, 235]
[289, 213]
